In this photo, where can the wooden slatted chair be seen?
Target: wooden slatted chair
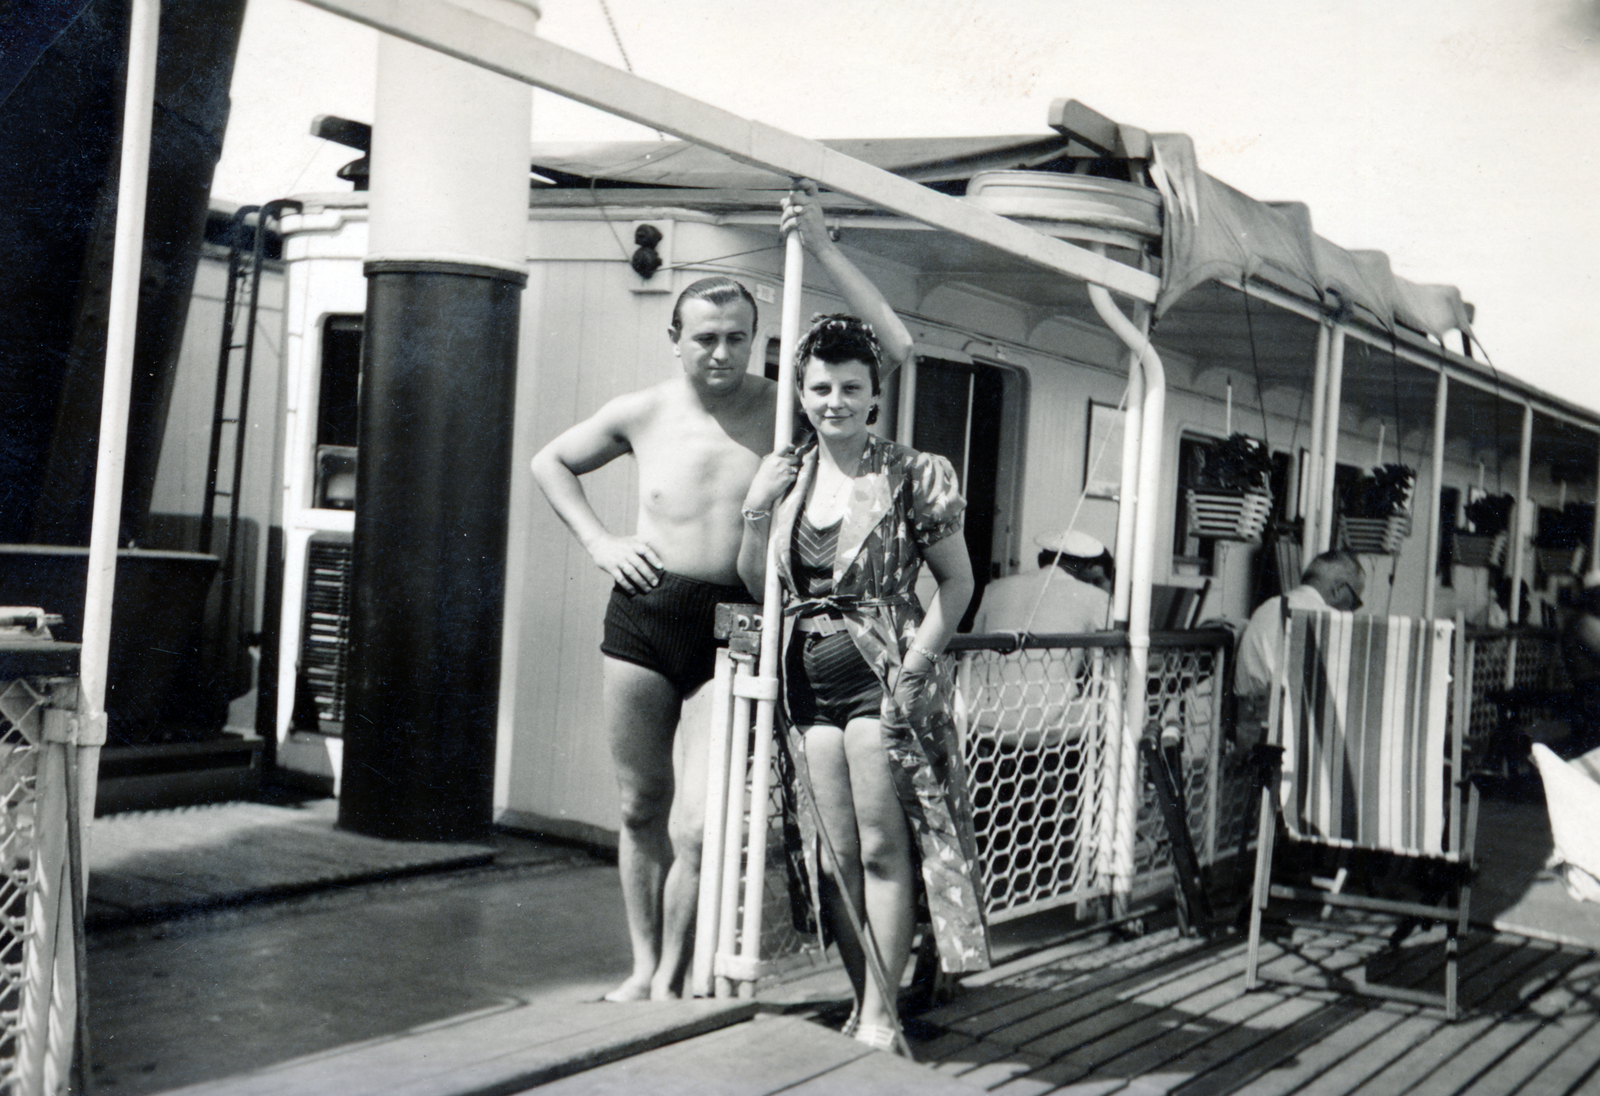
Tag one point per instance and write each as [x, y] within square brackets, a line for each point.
[1369, 756]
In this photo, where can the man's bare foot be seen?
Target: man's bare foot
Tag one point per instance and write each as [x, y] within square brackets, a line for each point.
[662, 991]
[634, 989]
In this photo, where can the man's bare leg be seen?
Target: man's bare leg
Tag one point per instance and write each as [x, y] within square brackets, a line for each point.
[641, 714]
[681, 896]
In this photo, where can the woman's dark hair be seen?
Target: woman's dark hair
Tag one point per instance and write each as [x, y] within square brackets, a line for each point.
[719, 290]
[841, 338]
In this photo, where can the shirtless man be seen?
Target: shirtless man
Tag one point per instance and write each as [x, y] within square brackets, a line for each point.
[697, 438]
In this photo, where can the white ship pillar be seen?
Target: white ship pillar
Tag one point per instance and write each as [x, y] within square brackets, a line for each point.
[445, 271]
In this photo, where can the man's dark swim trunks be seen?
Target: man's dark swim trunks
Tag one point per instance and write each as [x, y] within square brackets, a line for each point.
[668, 628]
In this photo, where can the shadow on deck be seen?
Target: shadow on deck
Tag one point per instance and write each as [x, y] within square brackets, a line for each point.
[1165, 1014]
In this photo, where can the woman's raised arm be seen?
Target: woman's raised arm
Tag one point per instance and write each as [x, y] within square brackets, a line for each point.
[802, 209]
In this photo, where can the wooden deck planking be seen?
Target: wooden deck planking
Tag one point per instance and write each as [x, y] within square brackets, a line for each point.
[1287, 1044]
[745, 1060]
[1172, 1016]
[1102, 1033]
[1559, 1021]
[1443, 1042]
[1145, 1054]
[1379, 1037]
[769, 1055]
[1575, 1070]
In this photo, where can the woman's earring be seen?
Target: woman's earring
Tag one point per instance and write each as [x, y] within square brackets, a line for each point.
[872, 415]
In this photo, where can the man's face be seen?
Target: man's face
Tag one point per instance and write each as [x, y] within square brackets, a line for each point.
[714, 343]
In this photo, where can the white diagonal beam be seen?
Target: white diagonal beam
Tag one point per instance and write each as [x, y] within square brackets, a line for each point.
[482, 41]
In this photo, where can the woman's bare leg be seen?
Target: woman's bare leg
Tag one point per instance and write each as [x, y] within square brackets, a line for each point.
[885, 851]
[830, 783]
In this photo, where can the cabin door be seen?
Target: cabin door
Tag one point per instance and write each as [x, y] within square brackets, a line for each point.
[958, 414]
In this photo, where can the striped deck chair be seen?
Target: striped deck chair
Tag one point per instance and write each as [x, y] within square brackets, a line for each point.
[1371, 758]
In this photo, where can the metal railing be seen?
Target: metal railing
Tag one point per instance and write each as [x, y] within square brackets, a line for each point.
[1499, 659]
[38, 945]
[1043, 741]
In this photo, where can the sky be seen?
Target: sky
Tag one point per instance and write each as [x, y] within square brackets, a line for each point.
[1461, 137]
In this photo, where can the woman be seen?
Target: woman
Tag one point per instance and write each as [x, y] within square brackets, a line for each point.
[867, 690]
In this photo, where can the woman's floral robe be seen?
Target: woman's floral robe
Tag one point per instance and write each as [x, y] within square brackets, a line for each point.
[902, 502]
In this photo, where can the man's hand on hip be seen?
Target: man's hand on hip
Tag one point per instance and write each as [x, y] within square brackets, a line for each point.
[630, 562]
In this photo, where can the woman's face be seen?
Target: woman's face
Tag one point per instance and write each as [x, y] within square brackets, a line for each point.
[837, 397]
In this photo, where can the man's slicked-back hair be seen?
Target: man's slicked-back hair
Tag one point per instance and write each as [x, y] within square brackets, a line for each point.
[1334, 564]
[719, 290]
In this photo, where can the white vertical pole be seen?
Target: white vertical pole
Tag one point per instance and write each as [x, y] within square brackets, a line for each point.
[715, 829]
[1311, 475]
[1441, 401]
[771, 621]
[1128, 490]
[906, 420]
[1521, 533]
[1524, 526]
[122, 322]
[1330, 439]
[1144, 550]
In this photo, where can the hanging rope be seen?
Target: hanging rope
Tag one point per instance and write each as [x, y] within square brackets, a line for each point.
[1072, 521]
[616, 37]
[1255, 365]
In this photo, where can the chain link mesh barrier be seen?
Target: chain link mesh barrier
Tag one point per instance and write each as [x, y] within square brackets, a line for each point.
[1042, 730]
[37, 997]
[1537, 668]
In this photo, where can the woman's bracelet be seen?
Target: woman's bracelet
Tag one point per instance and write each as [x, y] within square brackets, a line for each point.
[753, 515]
[932, 656]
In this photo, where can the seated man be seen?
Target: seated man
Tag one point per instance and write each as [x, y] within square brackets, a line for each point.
[1076, 598]
[1334, 580]
[1036, 694]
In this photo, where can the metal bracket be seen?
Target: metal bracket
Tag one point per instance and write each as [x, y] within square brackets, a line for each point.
[756, 688]
[740, 625]
[739, 968]
[78, 728]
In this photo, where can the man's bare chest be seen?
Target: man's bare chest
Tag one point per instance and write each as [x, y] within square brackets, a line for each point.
[693, 464]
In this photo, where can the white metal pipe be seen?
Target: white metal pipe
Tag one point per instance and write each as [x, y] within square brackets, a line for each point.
[906, 419]
[1441, 401]
[1128, 490]
[1311, 476]
[121, 325]
[1146, 520]
[1524, 524]
[771, 615]
[1330, 440]
[733, 849]
[714, 830]
[448, 28]
[121, 328]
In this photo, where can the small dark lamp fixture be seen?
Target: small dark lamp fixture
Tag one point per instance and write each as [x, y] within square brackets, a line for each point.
[646, 260]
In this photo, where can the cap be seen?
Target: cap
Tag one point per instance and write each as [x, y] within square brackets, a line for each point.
[1072, 543]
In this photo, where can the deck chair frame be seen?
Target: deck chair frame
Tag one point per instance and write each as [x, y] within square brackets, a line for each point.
[1457, 836]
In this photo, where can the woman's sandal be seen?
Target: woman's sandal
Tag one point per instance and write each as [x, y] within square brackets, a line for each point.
[877, 1036]
[852, 1024]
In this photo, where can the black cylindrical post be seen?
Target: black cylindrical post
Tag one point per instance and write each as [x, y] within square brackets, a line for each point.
[438, 376]
[446, 263]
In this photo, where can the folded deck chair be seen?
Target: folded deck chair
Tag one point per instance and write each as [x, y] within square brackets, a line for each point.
[1371, 758]
[1572, 796]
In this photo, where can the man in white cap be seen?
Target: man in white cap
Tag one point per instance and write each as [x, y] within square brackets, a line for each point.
[1070, 592]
